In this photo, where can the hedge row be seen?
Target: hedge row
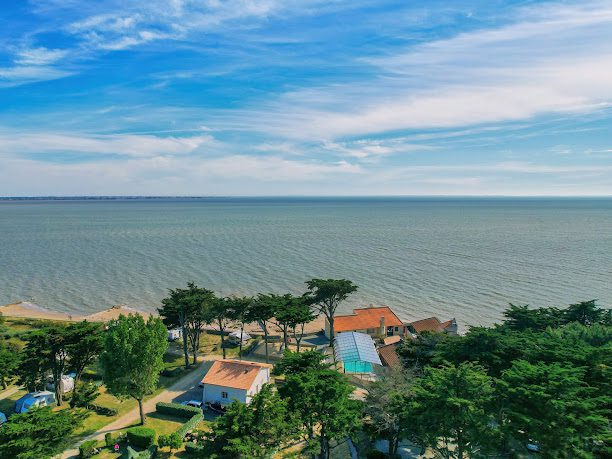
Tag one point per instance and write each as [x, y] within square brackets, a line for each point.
[190, 424]
[103, 410]
[176, 409]
[148, 453]
[141, 437]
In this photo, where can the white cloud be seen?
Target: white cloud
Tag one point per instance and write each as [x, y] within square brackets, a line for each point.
[39, 56]
[119, 144]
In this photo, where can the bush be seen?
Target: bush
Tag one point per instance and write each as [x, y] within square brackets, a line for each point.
[148, 453]
[173, 441]
[87, 448]
[109, 440]
[172, 373]
[103, 410]
[141, 437]
[175, 409]
[375, 454]
[194, 448]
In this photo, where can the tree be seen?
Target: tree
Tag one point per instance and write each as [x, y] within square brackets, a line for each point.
[523, 318]
[172, 441]
[298, 316]
[296, 362]
[256, 430]
[261, 311]
[32, 370]
[9, 362]
[322, 404]
[421, 351]
[133, 357]
[238, 309]
[326, 295]
[85, 343]
[40, 433]
[84, 395]
[451, 406]
[188, 309]
[220, 314]
[587, 313]
[46, 351]
[385, 413]
[284, 315]
[549, 404]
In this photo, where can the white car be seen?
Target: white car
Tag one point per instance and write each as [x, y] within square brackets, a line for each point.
[194, 403]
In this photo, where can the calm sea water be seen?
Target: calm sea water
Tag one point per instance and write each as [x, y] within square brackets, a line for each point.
[464, 258]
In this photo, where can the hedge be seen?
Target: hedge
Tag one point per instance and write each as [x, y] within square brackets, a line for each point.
[86, 449]
[141, 437]
[148, 453]
[176, 409]
[103, 410]
[190, 424]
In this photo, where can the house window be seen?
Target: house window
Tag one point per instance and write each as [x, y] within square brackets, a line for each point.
[396, 328]
[224, 395]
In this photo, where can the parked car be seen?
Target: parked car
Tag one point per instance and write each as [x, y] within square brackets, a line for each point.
[216, 407]
[194, 403]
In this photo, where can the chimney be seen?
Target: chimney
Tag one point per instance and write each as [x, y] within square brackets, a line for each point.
[383, 329]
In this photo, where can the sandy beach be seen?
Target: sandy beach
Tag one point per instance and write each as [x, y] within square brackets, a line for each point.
[29, 310]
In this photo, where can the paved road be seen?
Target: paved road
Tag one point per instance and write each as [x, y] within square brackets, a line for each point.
[185, 388]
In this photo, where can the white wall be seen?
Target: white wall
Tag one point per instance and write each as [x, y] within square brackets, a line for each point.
[212, 393]
[262, 378]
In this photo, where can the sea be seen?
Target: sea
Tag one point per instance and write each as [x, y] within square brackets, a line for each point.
[466, 258]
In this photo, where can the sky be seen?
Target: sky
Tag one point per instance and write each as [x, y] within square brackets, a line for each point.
[305, 97]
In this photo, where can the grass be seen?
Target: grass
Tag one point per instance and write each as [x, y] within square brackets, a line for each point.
[7, 405]
[163, 424]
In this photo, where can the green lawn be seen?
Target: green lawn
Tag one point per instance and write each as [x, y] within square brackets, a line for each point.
[7, 405]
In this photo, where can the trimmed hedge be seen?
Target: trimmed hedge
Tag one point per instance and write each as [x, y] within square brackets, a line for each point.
[148, 453]
[141, 437]
[109, 440]
[86, 449]
[190, 424]
[103, 410]
[176, 409]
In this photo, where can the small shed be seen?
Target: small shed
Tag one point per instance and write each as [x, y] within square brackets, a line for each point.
[67, 384]
[42, 398]
[357, 352]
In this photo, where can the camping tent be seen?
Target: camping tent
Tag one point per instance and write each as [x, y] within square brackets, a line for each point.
[357, 352]
[43, 398]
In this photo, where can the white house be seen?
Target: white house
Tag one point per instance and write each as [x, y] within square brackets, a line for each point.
[229, 380]
[175, 334]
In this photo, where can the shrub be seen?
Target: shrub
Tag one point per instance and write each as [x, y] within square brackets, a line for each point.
[194, 448]
[109, 440]
[175, 409]
[375, 454]
[173, 441]
[172, 373]
[141, 437]
[86, 449]
[148, 453]
[103, 410]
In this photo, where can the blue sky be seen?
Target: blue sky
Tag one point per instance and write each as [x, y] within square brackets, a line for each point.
[305, 97]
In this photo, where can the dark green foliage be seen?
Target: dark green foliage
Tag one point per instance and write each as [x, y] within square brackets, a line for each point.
[9, 362]
[421, 351]
[294, 362]
[87, 448]
[261, 310]
[256, 430]
[326, 295]
[85, 343]
[84, 395]
[523, 318]
[375, 454]
[133, 357]
[196, 449]
[141, 437]
[191, 424]
[176, 409]
[587, 313]
[109, 440]
[320, 400]
[38, 434]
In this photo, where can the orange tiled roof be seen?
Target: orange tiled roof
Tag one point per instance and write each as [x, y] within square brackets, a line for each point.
[233, 373]
[431, 324]
[364, 318]
[388, 355]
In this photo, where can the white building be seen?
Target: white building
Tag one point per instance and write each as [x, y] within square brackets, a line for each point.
[229, 380]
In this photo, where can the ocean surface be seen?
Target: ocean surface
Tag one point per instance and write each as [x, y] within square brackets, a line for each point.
[450, 257]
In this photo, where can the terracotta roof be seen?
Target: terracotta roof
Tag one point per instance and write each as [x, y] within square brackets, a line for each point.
[365, 318]
[388, 356]
[431, 324]
[233, 373]
[392, 339]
